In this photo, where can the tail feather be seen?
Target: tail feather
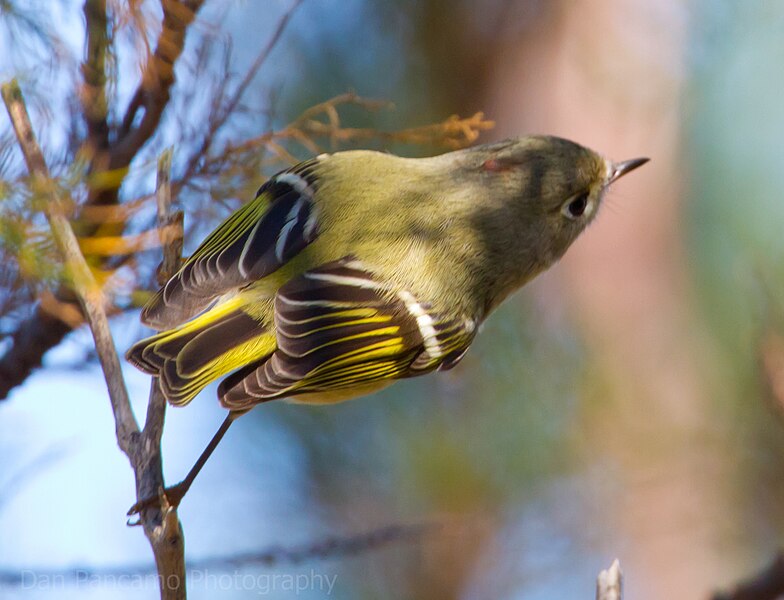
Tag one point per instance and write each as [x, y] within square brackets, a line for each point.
[189, 357]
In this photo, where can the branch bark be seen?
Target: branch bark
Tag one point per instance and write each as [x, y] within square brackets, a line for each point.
[79, 273]
[161, 524]
[93, 92]
[43, 331]
[153, 93]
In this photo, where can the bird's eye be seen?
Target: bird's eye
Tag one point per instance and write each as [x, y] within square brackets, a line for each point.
[575, 208]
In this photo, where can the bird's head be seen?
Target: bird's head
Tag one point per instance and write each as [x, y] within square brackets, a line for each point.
[554, 188]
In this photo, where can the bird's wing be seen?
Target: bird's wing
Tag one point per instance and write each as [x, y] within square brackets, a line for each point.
[253, 242]
[339, 327]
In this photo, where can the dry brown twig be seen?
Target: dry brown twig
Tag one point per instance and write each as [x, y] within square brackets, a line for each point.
[454, 132]
[152, 94]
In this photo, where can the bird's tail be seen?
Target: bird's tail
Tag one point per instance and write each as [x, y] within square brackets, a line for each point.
[189, 357]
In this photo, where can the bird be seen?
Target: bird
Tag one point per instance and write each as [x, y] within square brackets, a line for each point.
[355, 269]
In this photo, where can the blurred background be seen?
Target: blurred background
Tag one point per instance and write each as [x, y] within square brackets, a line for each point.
[629, 403]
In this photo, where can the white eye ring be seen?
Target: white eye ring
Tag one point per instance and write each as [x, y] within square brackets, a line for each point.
[578, 206]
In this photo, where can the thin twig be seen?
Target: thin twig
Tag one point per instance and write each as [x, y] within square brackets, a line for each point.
[170, 222]
[609, 583]
[223, 112]
[161, 523]
[172, 253]
[454, 132]
[331, 547]
[261, 58]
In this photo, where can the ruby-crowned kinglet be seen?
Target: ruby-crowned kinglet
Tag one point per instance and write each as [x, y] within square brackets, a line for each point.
[354, 269]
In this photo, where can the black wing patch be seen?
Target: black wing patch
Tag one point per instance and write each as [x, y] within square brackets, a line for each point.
[338, 327]
[189, 357]
[253, 242]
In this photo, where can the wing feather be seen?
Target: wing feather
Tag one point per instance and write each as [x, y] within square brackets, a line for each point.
[253, 242]
[339, 327]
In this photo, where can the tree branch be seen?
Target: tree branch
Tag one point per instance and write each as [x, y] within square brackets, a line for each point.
[170, 222]
[83, 282]
[261, 58]
[93, 92]
[222, 113]
[331, 547]
[42, 331]
[454, 132]
[161, 524]
[153, 92]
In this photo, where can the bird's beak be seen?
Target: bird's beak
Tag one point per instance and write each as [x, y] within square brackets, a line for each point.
[620, 169]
